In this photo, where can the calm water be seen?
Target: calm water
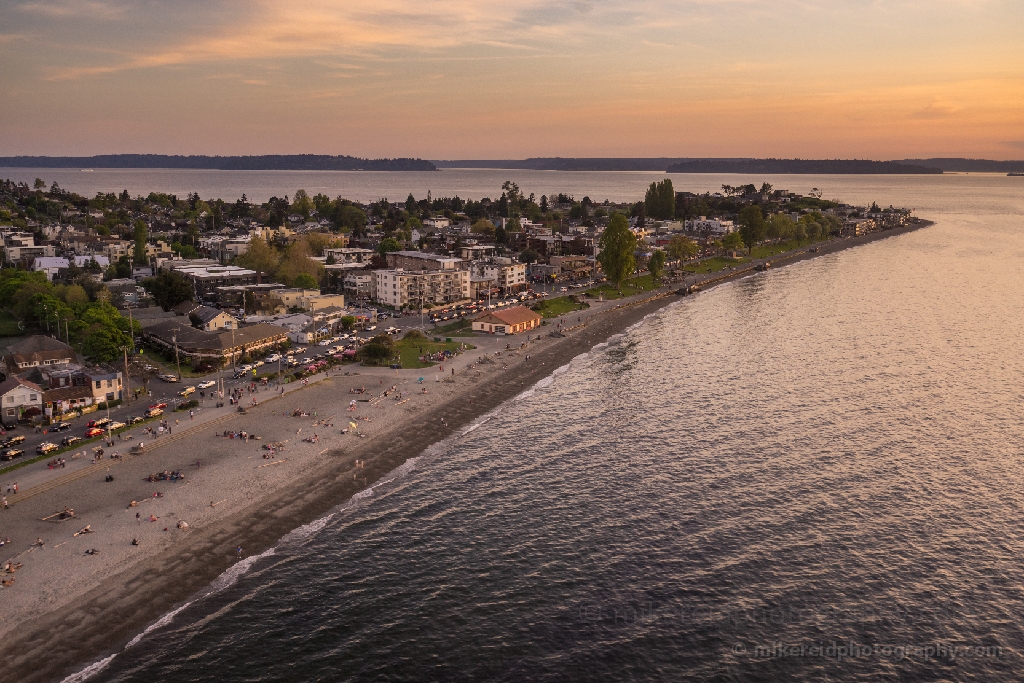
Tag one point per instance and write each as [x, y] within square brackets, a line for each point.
[820, 455]
[475, 183]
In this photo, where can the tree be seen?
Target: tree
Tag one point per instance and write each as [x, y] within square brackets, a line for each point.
[387, 245]
[169, 288]
[656, 264]
[660, 200]
[296, 262]
[780, 226]
[40, 184]
[378, 350]
[260, 257]
[766, 188]
[528, 256]
[349, 218]
[681, 247]
[483, 227]
[348, 321]
[732, 241]
[752, 226]
[618, 246]
[302, 204]
[305, 281]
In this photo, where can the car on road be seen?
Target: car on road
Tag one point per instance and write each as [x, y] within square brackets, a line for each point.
[12, 453]
[135, 420]
[70, 440]
[154, 412]
[116, 425]
[46, 447]
[94, 431]
[187, 391]
[12, 441]
[62, 427]
[158, 405]
[371, 328]
[102, 422]
[168, 378]
[206, 385]
[273, 358]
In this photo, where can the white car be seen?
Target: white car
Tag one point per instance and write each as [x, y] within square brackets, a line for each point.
[273, 358]
[258, 364]
[206, 385]
[325, 342]
[371, 328]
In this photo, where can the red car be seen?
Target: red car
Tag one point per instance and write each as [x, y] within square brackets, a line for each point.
[158, 405]
[93, 431]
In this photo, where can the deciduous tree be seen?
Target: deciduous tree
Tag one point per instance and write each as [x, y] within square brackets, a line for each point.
[618, 247]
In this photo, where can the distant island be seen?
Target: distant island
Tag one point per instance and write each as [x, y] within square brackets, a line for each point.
[953, 165]
[264, 162]
[687, 165]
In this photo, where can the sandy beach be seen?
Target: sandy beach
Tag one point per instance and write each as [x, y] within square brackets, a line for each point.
[68, 608]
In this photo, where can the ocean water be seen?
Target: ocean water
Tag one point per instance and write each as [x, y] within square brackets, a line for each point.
[812, 474]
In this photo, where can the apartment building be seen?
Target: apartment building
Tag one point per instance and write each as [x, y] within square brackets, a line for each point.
[400, 288]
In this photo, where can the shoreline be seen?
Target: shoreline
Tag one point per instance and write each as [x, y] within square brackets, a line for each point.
[100, 620]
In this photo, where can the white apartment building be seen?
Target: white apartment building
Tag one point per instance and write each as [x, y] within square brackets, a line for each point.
[18, 245]
[400, 288]
[361, 283]
[713, 226]
[350, 254]
[508, 278]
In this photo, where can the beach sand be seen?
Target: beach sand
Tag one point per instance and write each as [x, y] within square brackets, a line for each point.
[68, 608]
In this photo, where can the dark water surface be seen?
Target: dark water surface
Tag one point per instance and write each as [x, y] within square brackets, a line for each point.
[821, 456]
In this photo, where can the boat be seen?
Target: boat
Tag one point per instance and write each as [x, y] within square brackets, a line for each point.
[1016, 174]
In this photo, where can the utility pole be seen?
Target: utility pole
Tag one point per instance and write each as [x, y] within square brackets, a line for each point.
[174, 338]
[126, 392]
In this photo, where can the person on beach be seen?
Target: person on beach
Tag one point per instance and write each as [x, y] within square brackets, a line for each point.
[6, 505]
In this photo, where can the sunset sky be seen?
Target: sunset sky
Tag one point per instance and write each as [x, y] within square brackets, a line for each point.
[444, 79]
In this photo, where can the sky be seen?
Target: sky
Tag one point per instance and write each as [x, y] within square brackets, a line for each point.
[486, 79]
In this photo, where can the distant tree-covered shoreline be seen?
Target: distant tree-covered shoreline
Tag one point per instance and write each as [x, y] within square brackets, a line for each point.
[266, 162]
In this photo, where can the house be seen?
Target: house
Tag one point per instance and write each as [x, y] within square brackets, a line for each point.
[19, 398]
[52, 265]
[209, 319]
[105, 386]
[507, 321]
[436, 222]
[37, 351]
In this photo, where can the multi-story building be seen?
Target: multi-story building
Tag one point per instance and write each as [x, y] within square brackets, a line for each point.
[350, 254]
[507, 278]
[207, 278]
[713, 226]
[418, 260]
[400, 288]
[22, 245]
[360, 284]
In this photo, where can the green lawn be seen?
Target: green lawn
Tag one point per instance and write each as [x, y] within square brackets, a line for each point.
[713, 265]
[766, 251]
[559, 306]
[410, 351]
[630, 287]
[9, 326]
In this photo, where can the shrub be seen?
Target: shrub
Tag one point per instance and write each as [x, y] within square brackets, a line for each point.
[415, 335]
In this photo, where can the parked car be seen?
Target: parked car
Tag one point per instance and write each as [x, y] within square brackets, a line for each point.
[46, 447]
[169, 378]
[12, 453]
[272, 358]
[62, 427]
[94, 431]
[135, 420]
[116, 425]
[102, 422]
[70, 440]
[206, 385]
[154, 412]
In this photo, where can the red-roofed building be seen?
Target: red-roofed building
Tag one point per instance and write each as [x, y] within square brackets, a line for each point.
[507, 321]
